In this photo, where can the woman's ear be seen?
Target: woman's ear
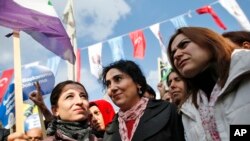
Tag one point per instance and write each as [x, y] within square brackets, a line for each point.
[138, 86]
[54, 111]
[246, 45]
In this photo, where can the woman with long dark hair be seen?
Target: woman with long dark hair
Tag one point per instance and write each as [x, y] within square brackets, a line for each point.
[219, 74]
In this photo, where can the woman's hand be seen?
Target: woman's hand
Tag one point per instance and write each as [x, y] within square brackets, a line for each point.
[161, 88]
[36, 96]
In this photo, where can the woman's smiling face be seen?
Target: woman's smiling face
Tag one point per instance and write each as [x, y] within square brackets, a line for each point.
[122, 89]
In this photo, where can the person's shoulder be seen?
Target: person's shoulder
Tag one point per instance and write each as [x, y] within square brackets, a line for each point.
[113, 126]
[241, 53]
[5, 130]
[93, 137]
[160, 105]
[159, 110]
[4, 133]
[240, 59]
[158, 102]
[50, 138]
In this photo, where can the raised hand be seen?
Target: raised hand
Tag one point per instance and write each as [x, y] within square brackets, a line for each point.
[161, 88]
[36, 96]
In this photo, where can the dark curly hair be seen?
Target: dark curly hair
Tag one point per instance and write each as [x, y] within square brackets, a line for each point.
[130, 68]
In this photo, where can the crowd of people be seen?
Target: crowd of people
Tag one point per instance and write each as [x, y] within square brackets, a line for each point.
[206, 91]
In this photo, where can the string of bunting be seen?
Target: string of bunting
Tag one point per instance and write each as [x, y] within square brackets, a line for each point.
[189, 14]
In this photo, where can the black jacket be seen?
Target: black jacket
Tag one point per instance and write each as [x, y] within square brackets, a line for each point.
[4, 134]
[160, 122]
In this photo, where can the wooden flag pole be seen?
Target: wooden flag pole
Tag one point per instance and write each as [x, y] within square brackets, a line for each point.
[42, 123]
[18, 83]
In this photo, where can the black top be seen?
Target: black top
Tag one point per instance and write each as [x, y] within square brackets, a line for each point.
[160, 122]
[4, 134]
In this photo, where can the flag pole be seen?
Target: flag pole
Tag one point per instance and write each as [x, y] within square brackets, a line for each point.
[71, 31]
[42, 123]
[18, 83]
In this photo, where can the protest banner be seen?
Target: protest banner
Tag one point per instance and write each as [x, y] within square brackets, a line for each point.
[30, 75]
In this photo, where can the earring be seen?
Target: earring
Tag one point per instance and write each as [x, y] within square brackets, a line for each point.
[140, 91]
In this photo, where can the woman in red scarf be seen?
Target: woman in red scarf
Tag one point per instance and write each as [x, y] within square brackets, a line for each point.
[101, 114]
[138, 118]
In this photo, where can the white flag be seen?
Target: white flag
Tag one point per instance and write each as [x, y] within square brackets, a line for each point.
[234, 9]
[95, 52]
[156, 31]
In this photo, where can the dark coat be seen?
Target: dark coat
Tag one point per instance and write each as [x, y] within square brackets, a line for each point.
[4, 134]
[160, 122]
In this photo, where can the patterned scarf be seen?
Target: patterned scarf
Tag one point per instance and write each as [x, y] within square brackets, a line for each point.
[134, 113]
[79, 131]
[206, 110]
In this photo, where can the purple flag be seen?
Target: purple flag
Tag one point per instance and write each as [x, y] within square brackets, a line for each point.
[39, 19]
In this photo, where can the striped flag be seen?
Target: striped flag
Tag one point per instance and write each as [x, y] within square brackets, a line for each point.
[38, 19]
